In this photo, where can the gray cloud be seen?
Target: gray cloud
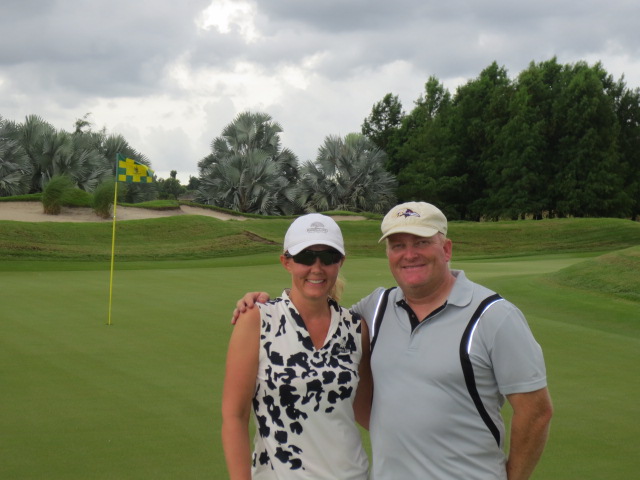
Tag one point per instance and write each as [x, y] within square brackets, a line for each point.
[145, 68]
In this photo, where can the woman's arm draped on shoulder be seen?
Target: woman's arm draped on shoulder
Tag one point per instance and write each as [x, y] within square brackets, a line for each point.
[239, 388]
[247, 302]
[362, 402]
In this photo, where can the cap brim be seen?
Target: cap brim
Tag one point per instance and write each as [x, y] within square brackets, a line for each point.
[413, 230]
[301, 246]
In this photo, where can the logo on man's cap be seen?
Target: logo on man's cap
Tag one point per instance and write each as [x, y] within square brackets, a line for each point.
[407, 212]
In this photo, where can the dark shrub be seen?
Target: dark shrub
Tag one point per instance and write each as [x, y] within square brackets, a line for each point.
[54, 192]
[103, 198]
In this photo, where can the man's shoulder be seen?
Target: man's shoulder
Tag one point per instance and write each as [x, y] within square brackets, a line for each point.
[374, 295]
[467, 293]
[367, 305]
[462, 279]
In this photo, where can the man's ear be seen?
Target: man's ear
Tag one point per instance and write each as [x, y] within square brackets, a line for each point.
[448, 248]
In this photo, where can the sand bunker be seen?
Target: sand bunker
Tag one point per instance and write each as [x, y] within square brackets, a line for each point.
[33, 212]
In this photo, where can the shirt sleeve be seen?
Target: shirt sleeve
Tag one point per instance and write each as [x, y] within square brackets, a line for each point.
[516, 356]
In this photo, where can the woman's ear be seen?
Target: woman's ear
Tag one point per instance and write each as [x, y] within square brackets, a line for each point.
[286, 262]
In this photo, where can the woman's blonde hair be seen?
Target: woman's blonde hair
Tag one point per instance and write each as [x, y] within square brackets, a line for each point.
[338, 288]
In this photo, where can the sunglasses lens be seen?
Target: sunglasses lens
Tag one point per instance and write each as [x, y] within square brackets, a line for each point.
[329, 257]
[308, 257]
[305, 257]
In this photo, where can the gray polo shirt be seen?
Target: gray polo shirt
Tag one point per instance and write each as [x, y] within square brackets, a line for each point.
[424, 423]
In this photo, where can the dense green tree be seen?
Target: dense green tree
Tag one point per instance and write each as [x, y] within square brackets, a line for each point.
[385, 118]
[170, 188]
[521, 171]
[560, 140]
[348, 174]
[480, 111]
[428, 153]
[435, 100]
[407, 142]
[194, 183]
[515, 174]
[248, 170]
[628, 113]
[448, 143]
[588, 183]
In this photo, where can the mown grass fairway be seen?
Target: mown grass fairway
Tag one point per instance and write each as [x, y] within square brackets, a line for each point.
[141, 398]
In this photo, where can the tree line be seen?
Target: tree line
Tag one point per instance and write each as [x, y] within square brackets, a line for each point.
[558, 140]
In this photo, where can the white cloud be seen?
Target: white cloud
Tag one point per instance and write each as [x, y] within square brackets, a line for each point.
[225, 15]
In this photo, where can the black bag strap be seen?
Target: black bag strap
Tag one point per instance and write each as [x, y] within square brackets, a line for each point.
[467, 367]
[378, 315]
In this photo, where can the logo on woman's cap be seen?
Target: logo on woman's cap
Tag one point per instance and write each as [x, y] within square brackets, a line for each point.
[317, 227]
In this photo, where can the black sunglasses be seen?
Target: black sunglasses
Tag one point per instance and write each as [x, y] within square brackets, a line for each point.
[308, 257]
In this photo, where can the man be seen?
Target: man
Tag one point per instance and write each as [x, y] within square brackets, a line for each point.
[445, 354]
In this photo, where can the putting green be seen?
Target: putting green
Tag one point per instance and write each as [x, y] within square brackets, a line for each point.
[141, 398]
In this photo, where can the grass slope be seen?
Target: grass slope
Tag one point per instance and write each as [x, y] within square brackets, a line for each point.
[198, 237]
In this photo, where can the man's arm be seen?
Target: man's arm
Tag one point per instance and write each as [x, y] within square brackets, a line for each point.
[532, 414]
[249, 299]
[247, 302]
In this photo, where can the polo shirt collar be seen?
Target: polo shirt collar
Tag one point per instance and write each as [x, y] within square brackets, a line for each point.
[462, 291]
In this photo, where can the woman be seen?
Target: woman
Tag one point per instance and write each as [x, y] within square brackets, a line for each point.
[301, 362]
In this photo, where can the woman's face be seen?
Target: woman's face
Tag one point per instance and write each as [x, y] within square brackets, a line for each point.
[315, 280]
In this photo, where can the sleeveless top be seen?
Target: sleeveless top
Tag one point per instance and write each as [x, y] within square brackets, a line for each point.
[303, 405]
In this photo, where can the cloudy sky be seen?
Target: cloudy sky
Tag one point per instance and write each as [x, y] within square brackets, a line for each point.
[169, 75]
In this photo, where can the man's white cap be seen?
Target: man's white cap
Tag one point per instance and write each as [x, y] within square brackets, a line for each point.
[418, 218]
[313, 229]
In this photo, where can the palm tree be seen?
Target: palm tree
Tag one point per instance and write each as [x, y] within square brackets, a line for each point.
[248, 171]
[87, 165]
[347, 175]
[31, 135]
[37, 151]
[56, 152]
[15, 168]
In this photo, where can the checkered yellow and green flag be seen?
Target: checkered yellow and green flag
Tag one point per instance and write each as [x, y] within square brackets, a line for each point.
[127, 171]
[130, 171]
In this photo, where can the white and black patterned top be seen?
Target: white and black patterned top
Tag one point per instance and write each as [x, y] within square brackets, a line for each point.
[303, 405]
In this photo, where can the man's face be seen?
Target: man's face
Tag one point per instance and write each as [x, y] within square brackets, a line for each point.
[419, 262]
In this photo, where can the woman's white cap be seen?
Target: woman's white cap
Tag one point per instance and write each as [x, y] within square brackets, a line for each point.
[313, 229]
